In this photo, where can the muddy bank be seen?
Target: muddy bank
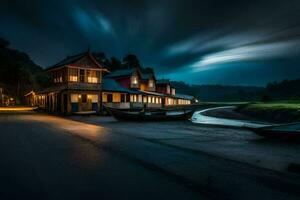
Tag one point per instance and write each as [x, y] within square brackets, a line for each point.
[257, 112]
[228, 113]
[269, 114]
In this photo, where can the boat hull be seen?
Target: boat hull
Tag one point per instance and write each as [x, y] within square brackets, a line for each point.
[151, 116]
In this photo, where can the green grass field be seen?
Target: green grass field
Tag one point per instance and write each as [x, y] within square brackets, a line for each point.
[284, 111]
[274, 106]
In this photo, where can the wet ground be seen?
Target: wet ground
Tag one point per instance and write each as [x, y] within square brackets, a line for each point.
[49, 157]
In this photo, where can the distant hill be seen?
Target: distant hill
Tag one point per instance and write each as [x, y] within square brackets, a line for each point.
[287, 90]
[284, 90]
[18, 73]
[220, 92]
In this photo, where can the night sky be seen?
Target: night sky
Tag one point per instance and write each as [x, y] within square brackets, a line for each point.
[208, 41]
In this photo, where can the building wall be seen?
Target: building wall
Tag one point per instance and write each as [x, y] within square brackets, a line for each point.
[153, 88]
[68, 101]
[116, 97]
[144, 86]
[124, 82]
[161, 89]
[84, 101]
[135, 76]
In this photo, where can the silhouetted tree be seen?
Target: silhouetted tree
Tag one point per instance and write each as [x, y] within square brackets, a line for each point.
[148, 70]
[101, 57]
[17, 71]
[4, 43]
[115, 64]
[266, 98]
[131, 61]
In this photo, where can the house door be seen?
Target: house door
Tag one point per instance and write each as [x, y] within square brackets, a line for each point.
[86, 105]
[58, 102]
[163, 101]
[65, 103]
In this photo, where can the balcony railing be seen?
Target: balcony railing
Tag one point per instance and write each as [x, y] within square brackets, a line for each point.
[84, 86]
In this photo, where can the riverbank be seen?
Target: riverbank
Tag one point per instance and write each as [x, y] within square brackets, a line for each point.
[228, 113]
[263, 112]
[271, 112]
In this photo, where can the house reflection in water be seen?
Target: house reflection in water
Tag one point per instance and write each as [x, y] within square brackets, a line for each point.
[82, 84]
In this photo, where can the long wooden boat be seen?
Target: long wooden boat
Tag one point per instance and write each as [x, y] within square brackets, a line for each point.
[287, 131]
[158, 115]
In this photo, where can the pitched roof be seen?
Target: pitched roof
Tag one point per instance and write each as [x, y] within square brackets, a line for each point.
[152, 93]
[147, 76]
[121, 73]
[113, 86]
[72, 59]
[163, 81]
[184, 96]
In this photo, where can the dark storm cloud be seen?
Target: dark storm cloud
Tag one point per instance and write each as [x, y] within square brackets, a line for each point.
[174, 36]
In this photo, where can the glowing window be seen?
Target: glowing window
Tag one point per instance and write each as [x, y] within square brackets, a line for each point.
[73, 75]
[168, 89]
[151, 83]
[74, 98]
[73, 78]
[58, 77]
[91, 76]
[92, 98]
[134, 80]
[140, 98]
[145, 99]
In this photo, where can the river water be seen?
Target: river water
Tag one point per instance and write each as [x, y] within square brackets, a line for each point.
[199, 118]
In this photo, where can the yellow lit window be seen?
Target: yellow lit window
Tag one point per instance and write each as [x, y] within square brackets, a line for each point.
[57, 77]
[168, 89]
[74, 98]
[92, 98]
[151, 83]
[104, 97]
[134, 80]
[173, 91]
[92, 80]
[73, 78]
[140, 99]
[92, 76]
[145, 99]
[116, 97]
[73, 75]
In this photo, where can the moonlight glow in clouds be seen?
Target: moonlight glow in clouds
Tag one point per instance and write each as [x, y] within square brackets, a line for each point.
[247, 53]
[92, 21]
